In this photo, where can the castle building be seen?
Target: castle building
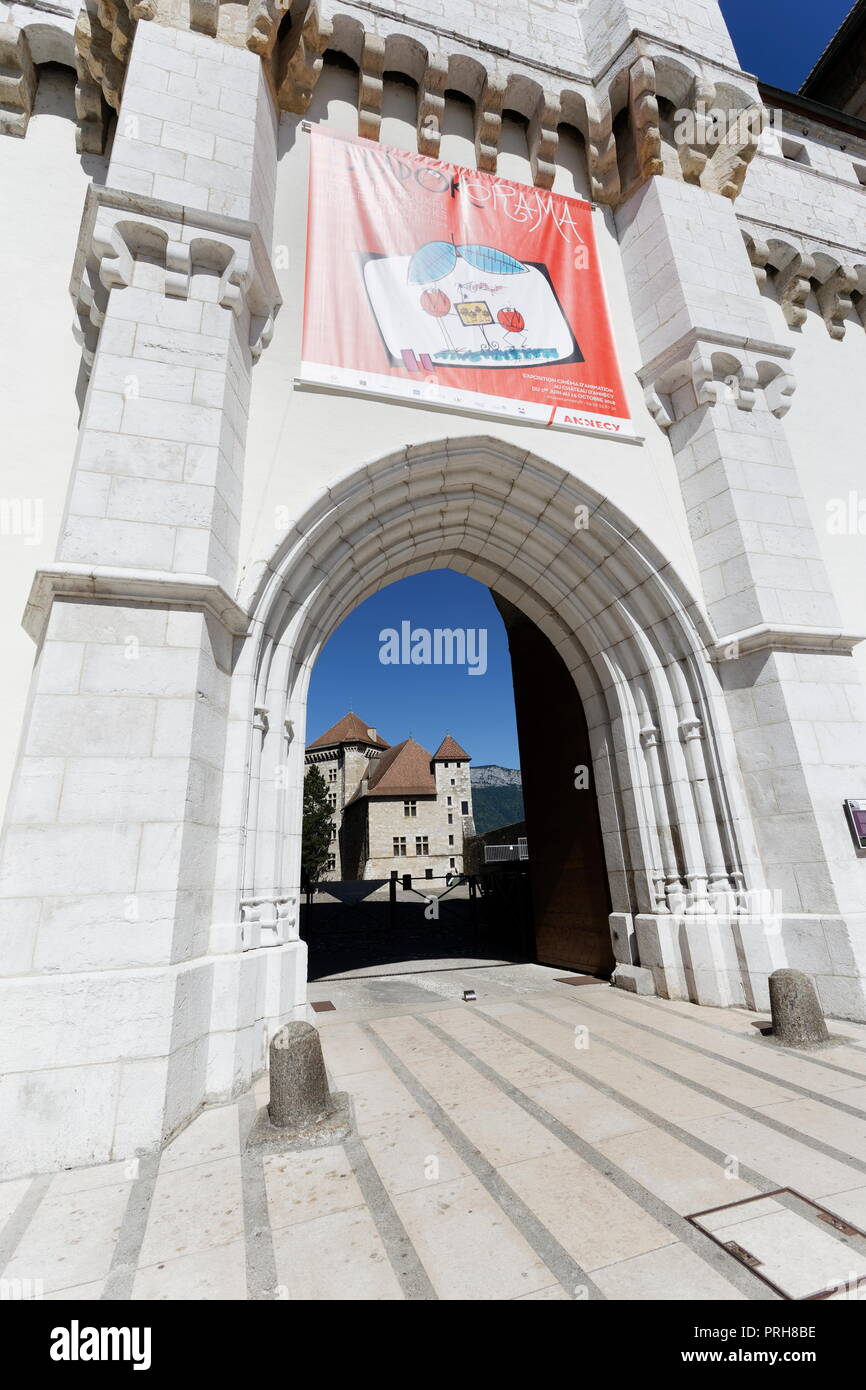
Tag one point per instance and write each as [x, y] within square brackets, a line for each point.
[396, 809]
[551, 293]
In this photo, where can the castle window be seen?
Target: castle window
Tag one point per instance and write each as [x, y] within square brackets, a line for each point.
[428, 873]
[410, 808]
[450, 839]
[464, 808]
[422, 844]
[332, 774]
[450, 818]
[399, 845]
[793, 150]
[333, 831]
[449, 801]
[452, 782]
[332, 799]
[331, 863]
[452, 863]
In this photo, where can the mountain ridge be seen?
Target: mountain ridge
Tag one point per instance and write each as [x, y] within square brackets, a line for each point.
[495, 775]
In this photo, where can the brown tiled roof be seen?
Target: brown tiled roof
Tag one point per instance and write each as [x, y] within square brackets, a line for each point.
[449, 748]
[403, 771]
[349, 729]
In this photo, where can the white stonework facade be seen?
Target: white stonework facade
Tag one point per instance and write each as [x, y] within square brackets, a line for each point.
[183, 528]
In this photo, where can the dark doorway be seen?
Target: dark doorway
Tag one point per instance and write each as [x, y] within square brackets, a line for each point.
[568, 875]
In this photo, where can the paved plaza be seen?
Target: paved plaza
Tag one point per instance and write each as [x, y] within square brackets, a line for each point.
[547, 1141]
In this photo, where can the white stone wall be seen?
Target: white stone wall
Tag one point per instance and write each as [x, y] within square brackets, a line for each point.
[40, 363]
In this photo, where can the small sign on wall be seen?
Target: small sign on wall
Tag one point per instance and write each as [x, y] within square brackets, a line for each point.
[856, 813]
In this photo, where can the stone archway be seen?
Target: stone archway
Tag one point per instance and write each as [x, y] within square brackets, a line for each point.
[633, 639]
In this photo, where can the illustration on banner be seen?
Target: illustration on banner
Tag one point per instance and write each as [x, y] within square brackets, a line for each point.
[466, 306]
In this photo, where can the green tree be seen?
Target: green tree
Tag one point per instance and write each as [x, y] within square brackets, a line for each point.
[316, 841]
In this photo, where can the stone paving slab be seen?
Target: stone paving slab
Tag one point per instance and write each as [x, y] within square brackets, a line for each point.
[542, 1142]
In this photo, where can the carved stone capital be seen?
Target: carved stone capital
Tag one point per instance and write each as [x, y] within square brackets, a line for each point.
[691, 730]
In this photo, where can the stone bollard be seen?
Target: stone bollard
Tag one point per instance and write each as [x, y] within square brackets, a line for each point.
[303, 1112]
[798, 1020]
[299, 1085]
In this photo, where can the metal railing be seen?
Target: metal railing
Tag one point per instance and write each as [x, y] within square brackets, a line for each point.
[495, 854]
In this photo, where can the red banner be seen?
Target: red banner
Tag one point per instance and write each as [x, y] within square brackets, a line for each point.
[452, 287]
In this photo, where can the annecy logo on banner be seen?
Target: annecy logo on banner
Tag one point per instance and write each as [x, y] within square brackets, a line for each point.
[453, 287]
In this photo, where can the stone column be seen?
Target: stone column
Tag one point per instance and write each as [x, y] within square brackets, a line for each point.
[116, 1022]
[720, 387]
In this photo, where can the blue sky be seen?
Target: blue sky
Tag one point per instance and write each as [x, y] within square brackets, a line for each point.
[778, 40]
[425, 702]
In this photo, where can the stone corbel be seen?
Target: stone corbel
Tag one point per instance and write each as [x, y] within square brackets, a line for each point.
[834, 299]
[235, 281]
[759, 255]
[793, 283]
[204, 16]
[644, 117]
[543, 141]
[741, 146]
[601, 155]
[298, 60]
[488, 123]
[261, 332]
[90, 113]
[659, 407]
[693, 153]
[743, 384]
[778, 392]
[177, 269]
[17, 81]
[113, 255]
[371, 86]
[103, 34]
[263, 23]
[431, 105]
[713, 373]
[708, 387]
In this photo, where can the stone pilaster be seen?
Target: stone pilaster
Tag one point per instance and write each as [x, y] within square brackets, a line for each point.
[117, 1019]
[720, 387]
